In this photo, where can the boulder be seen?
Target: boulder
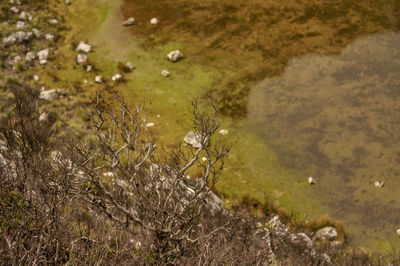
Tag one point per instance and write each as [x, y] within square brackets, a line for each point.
[379, 184]
[398, 232]
[83, 47]
[130, 66]
[98, 79]
[14, 9]
[49, 37]
[154, 21]
[53, 21]
[36, 32]
[25, 16]
[50, 95]
[223, 132]
[30, 56]
[35, 77]
[276, 227]
[301, 240]
[129, 22]
[43, 54]
[67, 2]
[328, 233]
[89, 68]
[17, 37]
[116, 77]
[20, 25]
[311, 180]
[81, 58]
[165, 73]
[193, 139]
[174, 56]
[150, 125]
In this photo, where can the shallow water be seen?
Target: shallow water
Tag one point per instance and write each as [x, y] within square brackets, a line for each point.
[337, 118]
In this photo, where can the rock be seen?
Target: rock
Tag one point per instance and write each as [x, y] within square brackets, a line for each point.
[10, 40]
[35, 77]
[14, 9]
[301, 240]
[67, 2]
[154, 21]
[276, 227]
[49, 95]
[311, 180]
[15, 60]
[83, 47]
[43, 62]
[36, 32]
[223, 132]
[130, 66]
[204, 159]
[165, 73]
[116, 77]
[150, 125]
[17, 37]
[398, 232]
[30, 56]
[53, 21]
[88, 68]
[98, 79]
[336, 245]
[20, 25]
[43, 54]
[174, 56]
[25, 16]
[327, 233]
[18, 2]
[108, 174]
[379, 184]
[129, 22]
[49, 37]
[43, 117]
[81, 58]
[193, 139]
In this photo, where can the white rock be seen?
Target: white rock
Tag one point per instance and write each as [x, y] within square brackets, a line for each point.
[15, 60]
[193, 139]
[25, 16]
[311, 180]
[301, 240]
[150, 125]
[98, 79]
[17, 37]
[116, 77]
[165, 73]
[81, 58]
[398, 232]
[108, 174]
[30, 56]
[43, 117]
[223, 132]
[379, 184]
[35, 77]
[49, 95]
[154, 21]
[83, 47]
[129, 22]
[326, 233]
[43, 54]
[130, 66]
[53, 21]
[89, 68]
[36, 32]
[20, 24]
[158, 116]
[277, 227]
[42, 61]
[14, 9]
[174, 56]
[49, 37]
[204, 159]
[67, 2]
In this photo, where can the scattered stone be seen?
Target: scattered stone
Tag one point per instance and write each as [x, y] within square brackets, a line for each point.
[49, 37]
[174, 56]
[53, 21]
[17, 37]
[36, 32]
[116, 77]
[83, 47]
[165, 73]
[35, 77]
[88, 68]
[398, 232]
[129, 22]
[98, 79]
[193, 139]
[30, 56]
[154, 21]
[43, 117]
[20, 25]
[327, 233]
[14, 9]
[311, 180]
[150, 125]
[301, 240]
[223, 132]
[67, 2]
[379, 184]
[25, 16]
[80, 58]
[49, 95]
[130, 66]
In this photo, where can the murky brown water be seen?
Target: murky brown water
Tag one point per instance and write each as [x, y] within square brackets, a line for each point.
[337, 118]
